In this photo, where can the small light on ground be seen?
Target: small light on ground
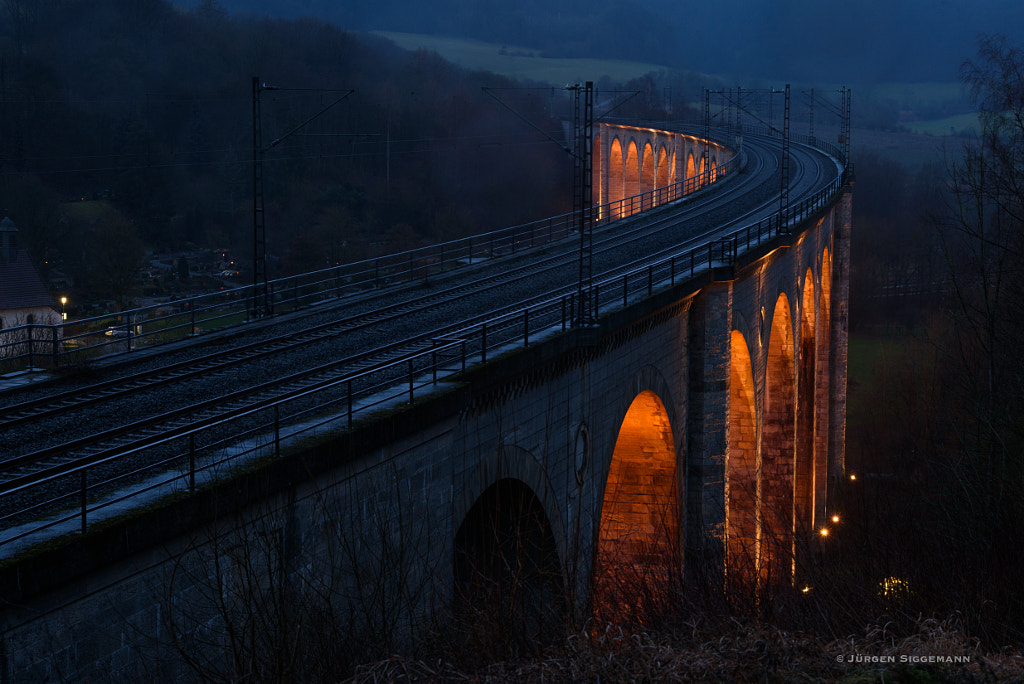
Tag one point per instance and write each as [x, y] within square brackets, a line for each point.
[835, 518]
[895, 588]
[824, 532]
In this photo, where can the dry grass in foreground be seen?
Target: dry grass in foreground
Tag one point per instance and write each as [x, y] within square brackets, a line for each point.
[731, 652]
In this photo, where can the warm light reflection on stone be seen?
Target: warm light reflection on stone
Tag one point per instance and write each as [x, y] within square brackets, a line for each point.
[741, 487]
[637, 552]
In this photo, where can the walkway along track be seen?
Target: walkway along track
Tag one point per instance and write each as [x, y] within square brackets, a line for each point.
[372, 367]
[41, 410]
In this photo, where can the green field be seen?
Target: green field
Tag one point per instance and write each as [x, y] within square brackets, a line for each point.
[887, 374]
[948, 126]
[520, 63]
[912, 95]
[918, 141]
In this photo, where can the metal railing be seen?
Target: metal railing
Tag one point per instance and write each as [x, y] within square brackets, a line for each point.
[184, 459]
[37, 345]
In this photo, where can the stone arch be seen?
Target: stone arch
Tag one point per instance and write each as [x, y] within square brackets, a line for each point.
[509, 462]
[804, 476]
[691, 167]
[648, 171]
[616, 178]
[663, 168]
[826, 280]
[741, 483]
[638, 548]
[508, 578]
[700, 171]
[631, 174]
[777, 449]
[823, 389]
[713, 175]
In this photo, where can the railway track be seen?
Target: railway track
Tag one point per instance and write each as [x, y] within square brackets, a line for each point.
[463, 300]
[44, 408]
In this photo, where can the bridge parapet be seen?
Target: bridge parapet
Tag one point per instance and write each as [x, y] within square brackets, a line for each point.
[638, 167]
[434, 360]
[741, 341]
[429, 362]
[69, 342]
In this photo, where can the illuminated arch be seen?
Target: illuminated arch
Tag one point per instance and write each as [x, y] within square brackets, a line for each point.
[741, 483]
[826, 281]
[638, 541]
[647, 170]
[777, 449]
[616, 178]
[631, 175]
[713, 175]
[804, 475]
[662, 175]
[691, 168]
[823, 389]
[700, 172]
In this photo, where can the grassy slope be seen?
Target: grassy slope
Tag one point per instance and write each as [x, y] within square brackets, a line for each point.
[921, 142]
[520, 63]
[950, 124]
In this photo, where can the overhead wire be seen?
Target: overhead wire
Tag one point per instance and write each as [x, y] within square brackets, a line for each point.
[270, 159]
[37, 165]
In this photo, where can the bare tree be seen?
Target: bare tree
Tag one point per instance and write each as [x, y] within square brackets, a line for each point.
[970, 458]
[301, 593]
[982, 240]
[116, 257]
[20, 13]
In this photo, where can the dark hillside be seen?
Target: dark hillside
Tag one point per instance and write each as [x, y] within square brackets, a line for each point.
[804, 40]
[150, 107]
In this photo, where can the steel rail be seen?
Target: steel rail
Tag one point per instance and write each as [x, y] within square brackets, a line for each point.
[206, 366]
[546, 309]
[46, 407]
[153, 424]
[39, 343]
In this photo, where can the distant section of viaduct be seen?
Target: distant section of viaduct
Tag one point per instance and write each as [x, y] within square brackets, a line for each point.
[688, 437]
[630, 161]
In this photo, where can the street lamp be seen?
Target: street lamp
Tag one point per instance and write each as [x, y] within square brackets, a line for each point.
[63, 313]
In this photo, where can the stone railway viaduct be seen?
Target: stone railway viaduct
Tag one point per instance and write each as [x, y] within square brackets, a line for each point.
[687, 438]
[629, 161]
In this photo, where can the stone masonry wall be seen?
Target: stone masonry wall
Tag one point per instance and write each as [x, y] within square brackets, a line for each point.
[307, 540]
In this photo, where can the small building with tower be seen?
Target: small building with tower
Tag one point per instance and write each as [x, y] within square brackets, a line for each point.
[24, 297]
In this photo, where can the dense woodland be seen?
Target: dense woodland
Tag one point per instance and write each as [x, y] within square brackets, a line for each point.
[867, 42]
[937, 381]
[127, 126]
[145, 111]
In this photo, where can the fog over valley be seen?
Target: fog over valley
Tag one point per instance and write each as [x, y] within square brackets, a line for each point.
[511, 340]
[858, 42]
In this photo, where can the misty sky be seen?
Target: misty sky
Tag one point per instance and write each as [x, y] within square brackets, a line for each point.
[857, 42]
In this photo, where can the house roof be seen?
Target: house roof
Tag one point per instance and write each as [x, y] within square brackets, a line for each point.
[20, 284]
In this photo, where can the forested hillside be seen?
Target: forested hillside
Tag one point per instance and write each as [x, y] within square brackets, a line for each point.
[804, 40]
[145, 110]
